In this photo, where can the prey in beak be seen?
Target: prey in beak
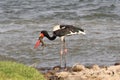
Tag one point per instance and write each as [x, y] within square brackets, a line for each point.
[40, 40]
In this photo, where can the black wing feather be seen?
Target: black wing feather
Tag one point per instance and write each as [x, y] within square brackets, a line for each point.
[66, 30]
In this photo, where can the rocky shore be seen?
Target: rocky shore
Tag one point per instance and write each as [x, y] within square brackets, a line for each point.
[81, 72]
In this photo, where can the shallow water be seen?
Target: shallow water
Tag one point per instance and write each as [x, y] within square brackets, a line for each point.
[22, 20]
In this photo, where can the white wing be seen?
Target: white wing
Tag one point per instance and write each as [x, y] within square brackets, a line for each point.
[57, 27]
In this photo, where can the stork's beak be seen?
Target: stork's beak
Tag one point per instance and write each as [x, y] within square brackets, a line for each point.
[40, 40]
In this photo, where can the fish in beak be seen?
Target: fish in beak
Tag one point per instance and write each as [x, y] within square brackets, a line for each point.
[40, 40]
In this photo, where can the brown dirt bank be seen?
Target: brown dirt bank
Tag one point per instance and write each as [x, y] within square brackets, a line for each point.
[80, 72]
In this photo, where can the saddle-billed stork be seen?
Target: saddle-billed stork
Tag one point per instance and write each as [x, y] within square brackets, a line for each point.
[60, 31]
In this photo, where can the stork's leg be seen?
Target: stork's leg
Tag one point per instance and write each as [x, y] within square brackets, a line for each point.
[65, 51]
[61, 55]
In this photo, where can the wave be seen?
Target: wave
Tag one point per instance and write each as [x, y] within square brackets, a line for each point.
[101, 16]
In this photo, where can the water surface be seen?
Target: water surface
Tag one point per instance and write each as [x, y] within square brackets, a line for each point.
[22, 20]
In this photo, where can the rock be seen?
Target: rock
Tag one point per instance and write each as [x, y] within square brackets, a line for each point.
[114, 68]
[62, 74]
[78, 67]
[118, 63]
[95, 67]
[56, 68]
[80, 72]
[49, 74]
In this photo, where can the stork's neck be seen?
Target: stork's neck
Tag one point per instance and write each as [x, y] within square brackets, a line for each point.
[49, 37]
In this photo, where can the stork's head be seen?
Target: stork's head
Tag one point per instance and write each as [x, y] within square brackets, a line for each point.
[40, 39]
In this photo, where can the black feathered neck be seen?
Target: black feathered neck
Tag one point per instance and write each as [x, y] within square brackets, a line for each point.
[48, 36]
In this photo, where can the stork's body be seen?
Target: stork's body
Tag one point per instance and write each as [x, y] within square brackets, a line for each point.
[61, 31]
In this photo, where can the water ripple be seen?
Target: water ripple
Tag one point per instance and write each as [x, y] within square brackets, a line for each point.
[22, 20]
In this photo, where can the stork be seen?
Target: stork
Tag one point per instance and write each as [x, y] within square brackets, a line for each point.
[60, 31]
